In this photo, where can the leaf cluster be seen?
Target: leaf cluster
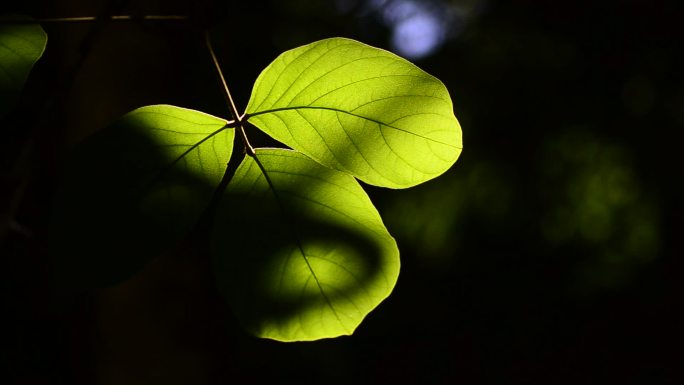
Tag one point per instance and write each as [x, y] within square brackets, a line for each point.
[310, 256]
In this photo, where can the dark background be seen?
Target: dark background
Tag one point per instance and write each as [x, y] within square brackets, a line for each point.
[549, 254]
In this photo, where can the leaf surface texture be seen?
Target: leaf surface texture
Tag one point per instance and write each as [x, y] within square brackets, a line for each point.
[358, 109]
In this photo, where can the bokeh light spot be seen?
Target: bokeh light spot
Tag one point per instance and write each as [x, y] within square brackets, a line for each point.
[420, 28]
[418, 36]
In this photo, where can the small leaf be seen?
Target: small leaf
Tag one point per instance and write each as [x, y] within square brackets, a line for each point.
[300, 252]
[21, 45]
[358, 109]
[133, 190]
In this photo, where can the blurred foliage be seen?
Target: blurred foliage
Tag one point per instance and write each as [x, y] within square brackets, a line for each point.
[591, 207]
[596, 203]
[431, 219]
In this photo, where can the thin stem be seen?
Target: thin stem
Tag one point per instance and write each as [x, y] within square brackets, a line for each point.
[248, 146]
[229, 98]
[85, 19]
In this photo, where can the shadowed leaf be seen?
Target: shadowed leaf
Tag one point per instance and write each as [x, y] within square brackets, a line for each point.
[299, 250]
[21, 45]
[133, 190]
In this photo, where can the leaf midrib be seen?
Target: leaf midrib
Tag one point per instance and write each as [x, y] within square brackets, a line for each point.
[165, 169]
[296, 236]
[274, 110]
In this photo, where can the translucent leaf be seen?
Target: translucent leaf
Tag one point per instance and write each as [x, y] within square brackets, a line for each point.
[358, 109]
[300, 252]
[21, 45]
[133, 190]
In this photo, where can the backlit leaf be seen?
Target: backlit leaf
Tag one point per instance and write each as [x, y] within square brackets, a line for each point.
[21, 45]
[358, 109]
[300, 251]
[133, 190]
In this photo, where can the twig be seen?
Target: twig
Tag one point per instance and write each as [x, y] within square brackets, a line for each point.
[87, 19]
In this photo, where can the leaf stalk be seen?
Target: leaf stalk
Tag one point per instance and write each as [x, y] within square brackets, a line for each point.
[229, 98]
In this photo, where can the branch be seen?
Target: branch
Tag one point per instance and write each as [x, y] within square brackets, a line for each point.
[87, 19]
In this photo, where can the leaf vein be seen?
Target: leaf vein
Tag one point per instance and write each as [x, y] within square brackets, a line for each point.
[374, 78]
[302, 72]
[312, 82]
[295, 108]
[275, 82]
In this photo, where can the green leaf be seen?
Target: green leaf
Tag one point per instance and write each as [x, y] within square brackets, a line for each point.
[300, 252]
[358, 109]
[21, 45]
[133, 190]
